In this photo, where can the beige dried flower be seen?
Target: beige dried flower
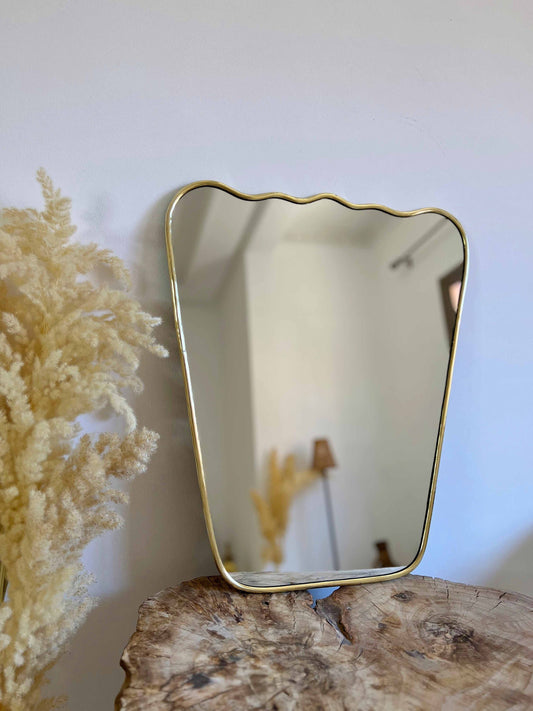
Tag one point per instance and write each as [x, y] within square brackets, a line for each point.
[67, 348]
[273, 510]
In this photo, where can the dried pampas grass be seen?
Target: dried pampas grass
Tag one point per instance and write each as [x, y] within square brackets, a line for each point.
[67, 348]
[284, 483]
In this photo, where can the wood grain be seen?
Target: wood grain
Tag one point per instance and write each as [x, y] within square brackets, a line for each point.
[414, 643]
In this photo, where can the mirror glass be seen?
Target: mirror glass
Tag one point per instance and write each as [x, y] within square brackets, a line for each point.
[318, 339]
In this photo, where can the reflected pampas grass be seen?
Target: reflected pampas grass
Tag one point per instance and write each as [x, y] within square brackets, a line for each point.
[67, 348]
[284, 483]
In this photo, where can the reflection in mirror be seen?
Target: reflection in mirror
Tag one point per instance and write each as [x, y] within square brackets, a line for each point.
[318, 342]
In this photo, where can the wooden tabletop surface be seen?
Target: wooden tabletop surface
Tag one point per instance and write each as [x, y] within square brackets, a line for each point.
[413, 643]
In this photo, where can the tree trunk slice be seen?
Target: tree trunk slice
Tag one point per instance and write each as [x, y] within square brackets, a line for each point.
[410, 644]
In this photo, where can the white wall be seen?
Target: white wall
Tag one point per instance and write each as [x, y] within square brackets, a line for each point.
[408, 104]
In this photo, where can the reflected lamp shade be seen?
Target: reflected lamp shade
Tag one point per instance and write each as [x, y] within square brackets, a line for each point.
[322, 455]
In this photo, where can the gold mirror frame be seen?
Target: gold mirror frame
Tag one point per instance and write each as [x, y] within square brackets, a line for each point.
[190, 398]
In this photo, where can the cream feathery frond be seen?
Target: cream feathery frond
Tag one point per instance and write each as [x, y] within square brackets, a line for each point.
[70, 345]
[284, 483]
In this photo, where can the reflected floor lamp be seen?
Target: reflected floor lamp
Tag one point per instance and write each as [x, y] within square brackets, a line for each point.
[322, 461]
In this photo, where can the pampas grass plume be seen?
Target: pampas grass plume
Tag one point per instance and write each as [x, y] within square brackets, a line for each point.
[67, 348]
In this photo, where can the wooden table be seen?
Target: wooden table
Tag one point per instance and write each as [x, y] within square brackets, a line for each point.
[411, 644]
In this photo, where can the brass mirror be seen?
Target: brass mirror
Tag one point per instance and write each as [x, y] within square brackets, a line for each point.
[317, 341]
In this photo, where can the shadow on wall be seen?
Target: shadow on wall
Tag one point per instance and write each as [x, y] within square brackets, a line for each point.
[516, 566]
[168, 541]
[90, 673]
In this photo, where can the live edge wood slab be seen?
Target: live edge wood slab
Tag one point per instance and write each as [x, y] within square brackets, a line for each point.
[411, 644]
